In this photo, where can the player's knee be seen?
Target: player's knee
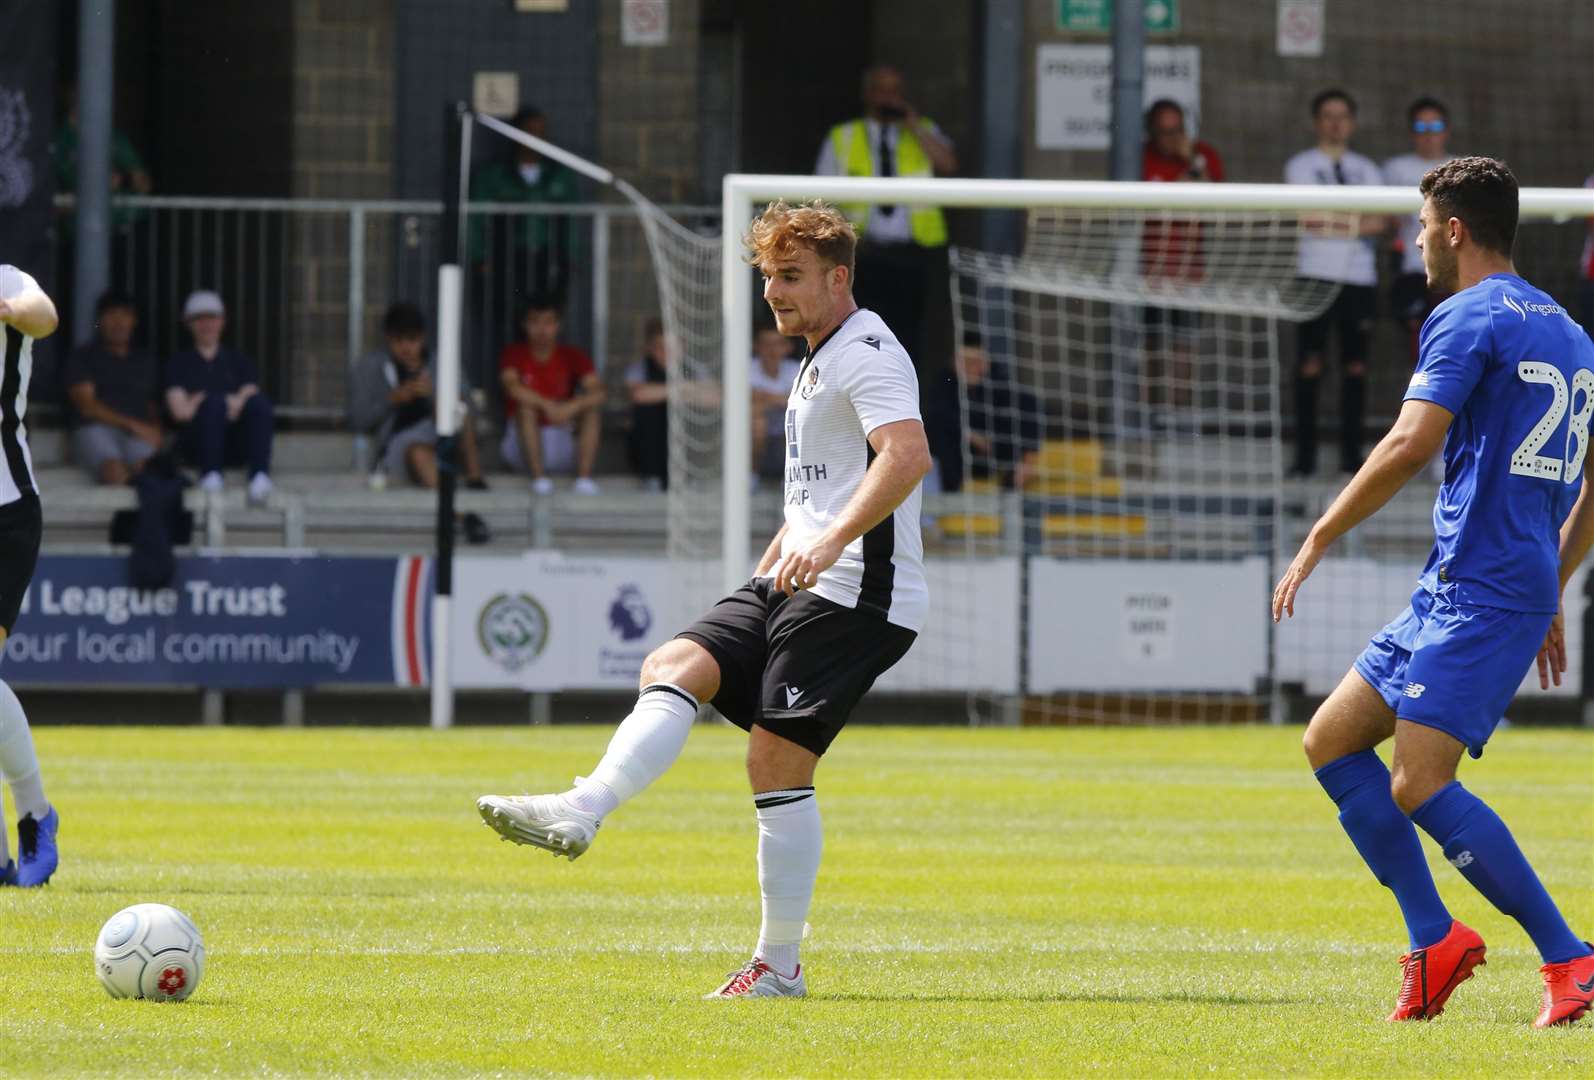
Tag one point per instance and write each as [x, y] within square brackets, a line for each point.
[1411, 788]
[682, 663]
[1320, 746]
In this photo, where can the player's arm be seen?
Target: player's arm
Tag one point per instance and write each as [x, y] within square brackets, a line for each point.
[771, 554]
[902, 458]
[182, 404]
[1418, 435]
[30, 311]
[509, 378]
[1577, 536]
[95, 411]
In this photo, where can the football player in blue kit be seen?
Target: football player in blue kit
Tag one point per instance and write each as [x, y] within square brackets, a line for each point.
[1505, 382]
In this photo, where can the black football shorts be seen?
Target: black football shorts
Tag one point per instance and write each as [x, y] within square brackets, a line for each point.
[795, 666]
[21, 527]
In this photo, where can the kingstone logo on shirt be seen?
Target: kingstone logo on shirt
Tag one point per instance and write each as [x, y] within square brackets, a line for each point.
[1522, 308]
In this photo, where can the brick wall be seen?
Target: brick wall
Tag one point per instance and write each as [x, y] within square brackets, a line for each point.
[649, 132]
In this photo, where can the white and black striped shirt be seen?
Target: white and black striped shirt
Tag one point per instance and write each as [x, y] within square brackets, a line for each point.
[16, 464]
[859, 378]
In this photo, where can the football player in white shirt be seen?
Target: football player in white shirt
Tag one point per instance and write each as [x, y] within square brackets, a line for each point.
[837, 599]
[26, 314]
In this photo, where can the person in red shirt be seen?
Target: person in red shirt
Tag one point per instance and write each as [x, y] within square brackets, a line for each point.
[1170, 252]
[553, 402]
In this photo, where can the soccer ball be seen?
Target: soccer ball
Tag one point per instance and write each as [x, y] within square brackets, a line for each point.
[149, 951]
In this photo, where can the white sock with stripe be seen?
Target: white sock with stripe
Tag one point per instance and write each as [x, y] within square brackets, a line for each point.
[643, 748]
[19, 765]
[790, 839]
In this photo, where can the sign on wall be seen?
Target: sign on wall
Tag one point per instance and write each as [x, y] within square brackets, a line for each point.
[1095, 16]
[1300, 27]
[1139, 625]
[232, 622]
[1073, 91]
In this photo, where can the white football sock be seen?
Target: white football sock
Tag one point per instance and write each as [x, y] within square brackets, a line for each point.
[644, 746]
[789, 842]
[19, 765]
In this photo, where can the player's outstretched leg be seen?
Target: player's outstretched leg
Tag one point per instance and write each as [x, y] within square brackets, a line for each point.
[1339, 741]
[790, 840]
[37, 856]
[1477, 843]
[675, 677]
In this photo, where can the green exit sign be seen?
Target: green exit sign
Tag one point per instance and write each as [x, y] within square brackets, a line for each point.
[1095, 16]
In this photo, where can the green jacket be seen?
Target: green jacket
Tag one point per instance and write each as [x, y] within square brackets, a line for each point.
[502, 182]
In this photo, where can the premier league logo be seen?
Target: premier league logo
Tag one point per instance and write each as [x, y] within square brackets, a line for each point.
[629, 615]
[513, 630]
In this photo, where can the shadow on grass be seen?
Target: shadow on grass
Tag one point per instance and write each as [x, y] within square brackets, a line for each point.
[1173, 997]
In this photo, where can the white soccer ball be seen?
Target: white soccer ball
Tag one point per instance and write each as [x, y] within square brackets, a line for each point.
[149, 951]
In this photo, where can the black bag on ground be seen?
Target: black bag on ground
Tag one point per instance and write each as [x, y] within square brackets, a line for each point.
[159, 523]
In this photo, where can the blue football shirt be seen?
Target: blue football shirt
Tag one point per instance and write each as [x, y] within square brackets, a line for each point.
[1518, 374]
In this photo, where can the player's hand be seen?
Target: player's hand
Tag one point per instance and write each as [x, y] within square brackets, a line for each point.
[422, 384]
[235, 405]
[1552, 654]
[1300, 569]
[801, 568]
[145, 432]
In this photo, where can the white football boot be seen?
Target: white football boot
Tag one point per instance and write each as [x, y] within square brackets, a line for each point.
[758, 979]
[546, 821]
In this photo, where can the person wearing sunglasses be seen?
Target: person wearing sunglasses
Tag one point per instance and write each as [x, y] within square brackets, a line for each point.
[1410, 299]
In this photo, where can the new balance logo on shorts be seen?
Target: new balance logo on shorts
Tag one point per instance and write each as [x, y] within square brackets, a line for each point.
[1414, 689]
[1462, 860]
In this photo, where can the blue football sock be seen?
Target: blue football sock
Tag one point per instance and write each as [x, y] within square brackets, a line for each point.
[1359, 785]
[1478, 844]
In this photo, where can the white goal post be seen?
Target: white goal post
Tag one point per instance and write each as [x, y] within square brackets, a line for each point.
[743, 193]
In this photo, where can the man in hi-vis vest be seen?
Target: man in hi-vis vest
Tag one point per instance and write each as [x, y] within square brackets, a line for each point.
[899, 246]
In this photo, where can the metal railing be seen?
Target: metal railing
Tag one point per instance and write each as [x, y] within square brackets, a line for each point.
[306, 280]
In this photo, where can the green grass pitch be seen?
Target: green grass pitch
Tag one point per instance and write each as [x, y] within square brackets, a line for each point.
[992, 903]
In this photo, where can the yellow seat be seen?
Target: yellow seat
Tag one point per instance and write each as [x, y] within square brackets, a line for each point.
[970, 525]
[1103, 487]
[1064, 525]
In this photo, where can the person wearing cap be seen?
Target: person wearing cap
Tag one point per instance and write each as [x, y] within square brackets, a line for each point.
[112, 386]
[213, 393]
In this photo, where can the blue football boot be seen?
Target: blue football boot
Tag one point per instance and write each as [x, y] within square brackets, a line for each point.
[36, 846]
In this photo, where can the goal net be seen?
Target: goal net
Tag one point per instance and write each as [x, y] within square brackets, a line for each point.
[1114, 434]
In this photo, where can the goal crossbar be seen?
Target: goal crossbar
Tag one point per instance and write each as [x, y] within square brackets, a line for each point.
[740, 192]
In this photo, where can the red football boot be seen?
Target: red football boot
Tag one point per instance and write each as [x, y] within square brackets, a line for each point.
[1432, 974]
[1568, 991]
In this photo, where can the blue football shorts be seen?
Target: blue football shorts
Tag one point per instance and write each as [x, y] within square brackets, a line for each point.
[1454, 667]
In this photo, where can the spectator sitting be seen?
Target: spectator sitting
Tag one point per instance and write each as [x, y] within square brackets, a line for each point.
[112, 387]
[391, 400]
[774, 371]
[553, 401]
[1409, 296]
[645, 384]
[213, 393]
[1004, 423]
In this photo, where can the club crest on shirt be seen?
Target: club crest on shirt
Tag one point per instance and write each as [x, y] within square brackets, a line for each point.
[810, 382]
